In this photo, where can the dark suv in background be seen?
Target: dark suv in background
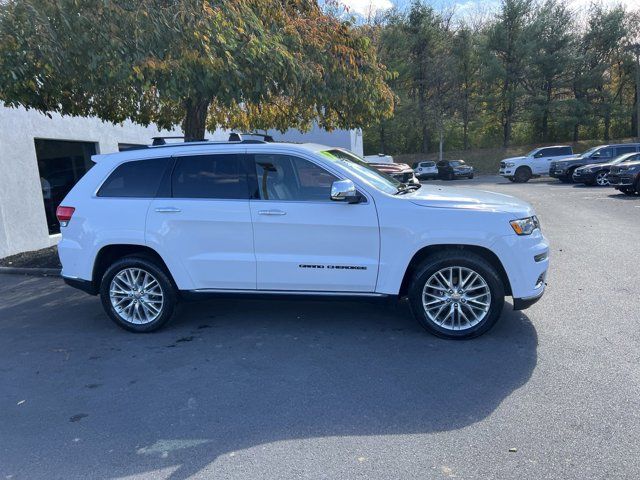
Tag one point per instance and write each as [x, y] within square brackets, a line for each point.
[626, 177]
[598, 173]
[563, 169]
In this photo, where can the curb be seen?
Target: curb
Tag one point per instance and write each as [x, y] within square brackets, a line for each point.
[38, 272]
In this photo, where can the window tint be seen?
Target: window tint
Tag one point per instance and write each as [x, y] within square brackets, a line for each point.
[283, 177]
[427, 164]
[604, 153]
[625, 149]
[564, 151]
[137, 179]
[211, 176]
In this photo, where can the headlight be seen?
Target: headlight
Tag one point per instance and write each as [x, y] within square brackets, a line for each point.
[509, 164]
[525, 226]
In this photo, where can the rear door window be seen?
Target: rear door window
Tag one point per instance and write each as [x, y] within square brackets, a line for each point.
[625, 149]
[221, 176]
[136, 179]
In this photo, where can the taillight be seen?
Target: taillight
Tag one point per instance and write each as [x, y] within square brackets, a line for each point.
[64, 214]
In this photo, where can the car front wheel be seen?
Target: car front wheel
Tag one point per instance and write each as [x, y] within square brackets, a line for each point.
[137, 294]
[522, 175]
[602, 179]
[456, 295]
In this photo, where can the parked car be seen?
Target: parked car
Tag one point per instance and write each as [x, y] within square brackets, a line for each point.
[563, 169]
[400, 171]
[536, 163]
[451, 169]
[626, 177]
[145, 228]
[379, 158]
[425, 170]
[598, 173]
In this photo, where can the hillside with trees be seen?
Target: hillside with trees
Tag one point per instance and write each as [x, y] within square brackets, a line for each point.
[533, 72]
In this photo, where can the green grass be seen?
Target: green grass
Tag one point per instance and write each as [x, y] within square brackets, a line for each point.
[487, 160]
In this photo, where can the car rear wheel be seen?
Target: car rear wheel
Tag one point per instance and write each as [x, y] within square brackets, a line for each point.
[602, 179]
[456, 295]
[138, 294]
[522, 175]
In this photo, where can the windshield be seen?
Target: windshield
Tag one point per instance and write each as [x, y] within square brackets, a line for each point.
[379, 180]
[457, 163]
[588, 152]
[532, 152]
[627, 157]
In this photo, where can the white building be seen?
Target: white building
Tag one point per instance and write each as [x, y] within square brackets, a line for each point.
[41, 158]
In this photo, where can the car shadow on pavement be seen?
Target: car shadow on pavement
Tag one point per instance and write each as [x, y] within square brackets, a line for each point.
[228, 375]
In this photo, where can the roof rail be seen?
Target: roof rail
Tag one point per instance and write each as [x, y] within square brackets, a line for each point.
[161, 140]
[266, 137]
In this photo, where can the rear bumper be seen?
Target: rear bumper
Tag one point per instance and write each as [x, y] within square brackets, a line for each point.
[86, 286]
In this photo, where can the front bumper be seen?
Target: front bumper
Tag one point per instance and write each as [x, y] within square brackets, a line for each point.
[507, 172]
[526, 261]
[584, 177]
[617, 180]
[463, 174]
[558, 172]
[524, 303]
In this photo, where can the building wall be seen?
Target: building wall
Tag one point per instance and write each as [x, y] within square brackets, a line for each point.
[349, 139]
[23, 225]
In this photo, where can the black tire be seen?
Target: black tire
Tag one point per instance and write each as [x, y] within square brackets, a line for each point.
[166, 285]
[456, 258]
[522, 175]
[566, 179]
[570, 175]
[471, 176]
[450, 176]
[604, 182]
[511, 179]
[629, 191]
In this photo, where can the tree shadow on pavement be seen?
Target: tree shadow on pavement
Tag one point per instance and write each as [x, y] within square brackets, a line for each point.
[228, 375]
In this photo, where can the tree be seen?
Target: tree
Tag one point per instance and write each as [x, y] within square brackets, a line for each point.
[548, 78]
[467, 70]
[201, 64]
[506, 44]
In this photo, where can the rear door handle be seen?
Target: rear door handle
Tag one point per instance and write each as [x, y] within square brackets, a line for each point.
[271, 212]
[168, 210]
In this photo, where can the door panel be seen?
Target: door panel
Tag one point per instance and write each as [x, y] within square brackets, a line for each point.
[316, 246]
[305, 241]
[204, 225]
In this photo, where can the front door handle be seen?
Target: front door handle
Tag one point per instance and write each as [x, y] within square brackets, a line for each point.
[168, 210]
[271, 212]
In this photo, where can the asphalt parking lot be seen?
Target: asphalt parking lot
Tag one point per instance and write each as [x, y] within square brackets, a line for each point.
[273, 389]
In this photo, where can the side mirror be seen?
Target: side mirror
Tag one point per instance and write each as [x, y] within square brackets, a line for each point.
[344, 191]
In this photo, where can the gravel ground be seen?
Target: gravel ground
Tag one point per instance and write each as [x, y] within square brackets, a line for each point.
[45, 258]
[340, 390]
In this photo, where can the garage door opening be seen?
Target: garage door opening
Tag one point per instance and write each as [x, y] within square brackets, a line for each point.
[61, 164]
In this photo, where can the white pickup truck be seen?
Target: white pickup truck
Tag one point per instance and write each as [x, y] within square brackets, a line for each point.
[536, 163]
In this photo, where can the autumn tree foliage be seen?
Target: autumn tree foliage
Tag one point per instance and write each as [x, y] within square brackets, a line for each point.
[199, 64]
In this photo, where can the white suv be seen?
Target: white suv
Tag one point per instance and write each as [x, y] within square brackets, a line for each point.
[144, 228]
[536, 163]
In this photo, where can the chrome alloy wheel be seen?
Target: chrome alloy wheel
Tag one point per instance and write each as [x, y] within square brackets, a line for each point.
[602, 179]
[136, 296]
[456, 298]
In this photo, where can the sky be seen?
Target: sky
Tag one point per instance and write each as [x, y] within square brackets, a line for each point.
[363, 7]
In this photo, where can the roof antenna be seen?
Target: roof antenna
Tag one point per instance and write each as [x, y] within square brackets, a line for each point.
[235, 137]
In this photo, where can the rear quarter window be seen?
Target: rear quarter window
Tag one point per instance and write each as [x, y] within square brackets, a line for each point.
[135, 179]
